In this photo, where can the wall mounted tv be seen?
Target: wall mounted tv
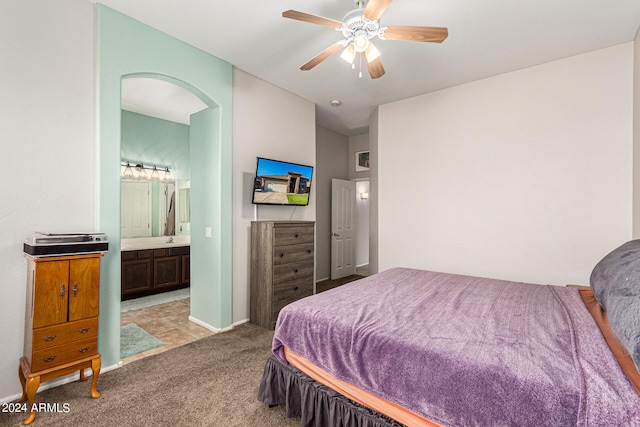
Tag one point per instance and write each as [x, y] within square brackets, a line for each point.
[281, 183]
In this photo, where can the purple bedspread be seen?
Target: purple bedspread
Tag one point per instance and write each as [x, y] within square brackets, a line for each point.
[464, 351]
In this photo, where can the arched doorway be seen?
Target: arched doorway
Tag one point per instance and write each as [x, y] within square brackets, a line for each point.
[128, 48]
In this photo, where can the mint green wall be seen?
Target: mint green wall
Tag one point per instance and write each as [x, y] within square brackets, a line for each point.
[126, 47]
[205, 209]
[155, 142]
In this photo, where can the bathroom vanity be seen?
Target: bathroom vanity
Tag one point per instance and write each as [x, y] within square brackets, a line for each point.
[154, 265]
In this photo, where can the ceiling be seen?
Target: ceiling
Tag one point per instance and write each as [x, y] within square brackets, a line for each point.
[486, 38]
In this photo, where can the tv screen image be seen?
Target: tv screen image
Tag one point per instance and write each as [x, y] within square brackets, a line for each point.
[281, 183]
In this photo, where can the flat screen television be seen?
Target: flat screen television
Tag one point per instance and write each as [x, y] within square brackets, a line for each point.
[281, 183]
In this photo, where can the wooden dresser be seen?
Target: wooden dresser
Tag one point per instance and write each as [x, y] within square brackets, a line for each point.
[282, 267]
[61, 323]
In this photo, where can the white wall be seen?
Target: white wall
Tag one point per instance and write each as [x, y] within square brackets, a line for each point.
[523, 176]
[48, 144]
[267, 122]
[332, 157]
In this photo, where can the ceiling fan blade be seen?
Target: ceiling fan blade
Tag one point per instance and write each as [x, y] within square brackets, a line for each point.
[375, 9]
[416, 34]
[376, 70]
[314, 19]
[323, 55]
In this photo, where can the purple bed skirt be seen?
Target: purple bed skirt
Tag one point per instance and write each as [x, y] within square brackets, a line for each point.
[314, 403]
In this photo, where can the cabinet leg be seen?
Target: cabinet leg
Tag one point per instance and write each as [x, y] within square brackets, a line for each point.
[23, 382]
[82, 375]
[95, 367]
[32, 387]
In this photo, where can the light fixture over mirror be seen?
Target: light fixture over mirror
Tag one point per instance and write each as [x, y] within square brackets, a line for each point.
[142, 172]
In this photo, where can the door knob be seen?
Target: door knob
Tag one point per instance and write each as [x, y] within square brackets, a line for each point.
[335, 234]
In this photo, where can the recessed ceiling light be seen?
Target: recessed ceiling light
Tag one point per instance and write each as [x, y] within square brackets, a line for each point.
[336, 103]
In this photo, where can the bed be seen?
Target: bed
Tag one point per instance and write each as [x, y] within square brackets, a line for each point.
[415, 347]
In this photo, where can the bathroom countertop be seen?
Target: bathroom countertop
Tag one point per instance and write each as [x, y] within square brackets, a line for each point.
[141, 243]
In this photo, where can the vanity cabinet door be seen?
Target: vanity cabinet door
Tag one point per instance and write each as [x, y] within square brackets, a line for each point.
[135, 273]
[166, 272]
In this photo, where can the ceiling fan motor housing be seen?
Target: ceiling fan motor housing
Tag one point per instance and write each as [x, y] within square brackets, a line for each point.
[355, 23]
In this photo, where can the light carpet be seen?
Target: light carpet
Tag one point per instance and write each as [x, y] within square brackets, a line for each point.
[210, 382]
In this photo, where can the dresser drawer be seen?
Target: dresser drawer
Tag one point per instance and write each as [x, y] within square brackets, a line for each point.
[292, 235]
[61, 354]
[292, 271]
[292, 253]
[288, 292]
[56, 335]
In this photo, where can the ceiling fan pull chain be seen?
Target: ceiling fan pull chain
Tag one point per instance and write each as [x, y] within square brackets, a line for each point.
[360, 61]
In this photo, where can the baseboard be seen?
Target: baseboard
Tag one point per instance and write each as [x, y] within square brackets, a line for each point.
[208, 326]
[63, 380]
[322, 280]
[240, 322]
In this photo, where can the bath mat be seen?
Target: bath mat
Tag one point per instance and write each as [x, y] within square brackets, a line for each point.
[134, 340]
[151, 300]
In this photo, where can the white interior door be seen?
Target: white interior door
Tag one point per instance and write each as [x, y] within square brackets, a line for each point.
[343, 228]
[135, 209]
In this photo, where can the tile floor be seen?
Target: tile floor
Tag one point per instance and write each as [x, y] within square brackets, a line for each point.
[168, 322]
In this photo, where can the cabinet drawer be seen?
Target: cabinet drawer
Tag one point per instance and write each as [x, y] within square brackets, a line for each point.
[61, 354]
[288, 292]
[292, 253]
[180, 250]
[292, 271]
[292, 235]
[56, 335]
[127, 255]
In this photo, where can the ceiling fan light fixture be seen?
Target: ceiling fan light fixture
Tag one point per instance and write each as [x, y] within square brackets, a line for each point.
[349, 53]
[360, 42]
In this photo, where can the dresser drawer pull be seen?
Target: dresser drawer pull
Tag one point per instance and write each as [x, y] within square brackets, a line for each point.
[295, 288]
[62, 291]
[83, 350]
[84, 330]
[296, 235]
[49, 338]
[295, 271]
[281, 254]
[75, 289]
[49, 359]
[308, 251]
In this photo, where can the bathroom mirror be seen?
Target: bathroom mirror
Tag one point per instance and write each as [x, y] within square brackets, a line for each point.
[144, 207]
[184, 209]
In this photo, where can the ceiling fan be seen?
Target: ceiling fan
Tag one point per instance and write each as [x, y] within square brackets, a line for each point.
[358, 28]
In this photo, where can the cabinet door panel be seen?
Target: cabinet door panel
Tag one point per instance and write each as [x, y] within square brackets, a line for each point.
[84, 288]
[166, 272]
[50, 296]
[136, 276]
[186, 269]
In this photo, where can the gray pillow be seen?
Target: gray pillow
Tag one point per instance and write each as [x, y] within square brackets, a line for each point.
[615, 282]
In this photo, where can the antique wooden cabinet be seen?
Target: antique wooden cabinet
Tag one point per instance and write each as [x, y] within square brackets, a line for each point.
[61, 322]
[282, 267]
